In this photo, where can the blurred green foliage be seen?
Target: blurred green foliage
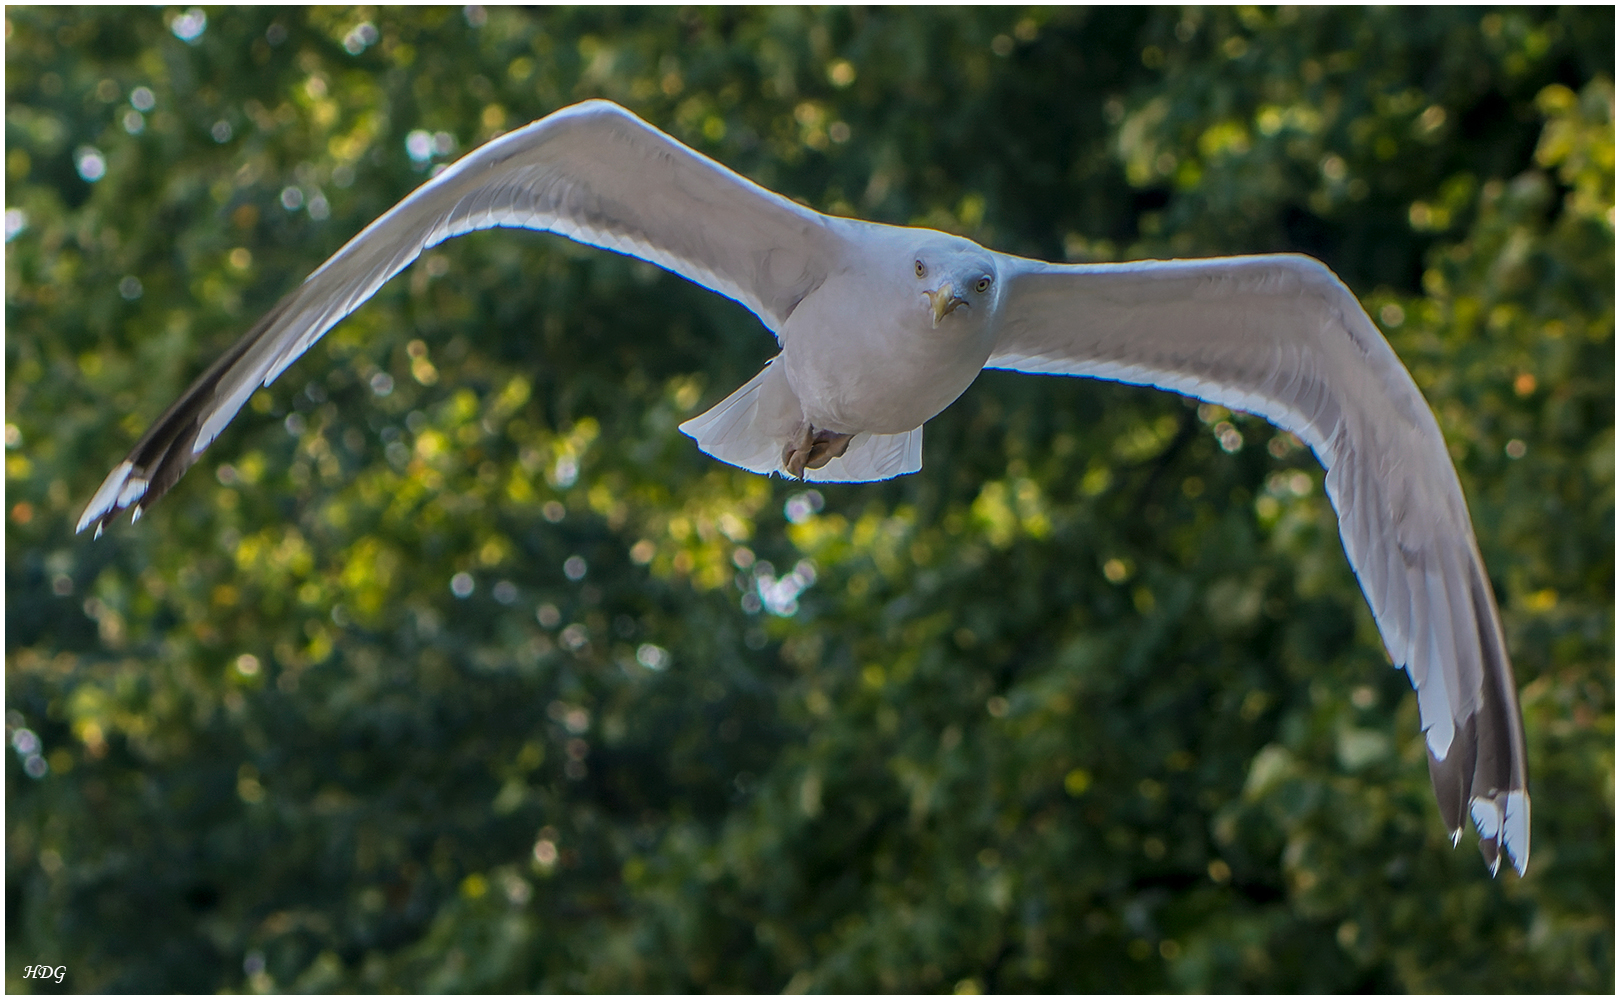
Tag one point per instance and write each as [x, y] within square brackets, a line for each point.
[447, 667]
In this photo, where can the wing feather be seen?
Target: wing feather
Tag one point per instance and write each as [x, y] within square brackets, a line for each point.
[594, 173]
[1281, 337]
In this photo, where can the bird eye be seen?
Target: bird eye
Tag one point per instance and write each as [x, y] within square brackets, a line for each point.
[922, 272]
[983, 285]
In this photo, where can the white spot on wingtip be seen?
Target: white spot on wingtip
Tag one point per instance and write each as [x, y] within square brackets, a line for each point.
[1504, 824]
[1516, 830]
[135, 515]
[106, 494]
[1487, 817]
[1456, 836]
[133, 490]
[99, 526]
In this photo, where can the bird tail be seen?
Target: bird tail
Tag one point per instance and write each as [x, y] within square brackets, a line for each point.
[745, 430]
[871, 457]
[729, 430]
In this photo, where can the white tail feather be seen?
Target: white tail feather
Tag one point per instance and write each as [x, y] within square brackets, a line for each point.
[732, 432]
[727, 431]
[871, 457]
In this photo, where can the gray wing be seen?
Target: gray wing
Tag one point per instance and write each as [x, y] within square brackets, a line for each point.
[593, 172]
[1282, 337]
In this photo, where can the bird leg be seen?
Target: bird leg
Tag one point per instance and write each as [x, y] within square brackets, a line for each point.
[811, 449]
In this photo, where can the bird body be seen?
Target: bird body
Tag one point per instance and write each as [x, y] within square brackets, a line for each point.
[861, 358]
[881, 327]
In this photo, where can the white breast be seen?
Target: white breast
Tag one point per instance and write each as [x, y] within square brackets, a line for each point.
[861, 354]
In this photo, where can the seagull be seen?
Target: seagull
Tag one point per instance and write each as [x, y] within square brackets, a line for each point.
[881, 327]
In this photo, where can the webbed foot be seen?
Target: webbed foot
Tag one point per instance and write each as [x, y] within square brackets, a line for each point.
[813, 449]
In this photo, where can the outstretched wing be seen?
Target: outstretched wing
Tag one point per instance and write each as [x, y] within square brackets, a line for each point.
[593, 172]
[1282, 337]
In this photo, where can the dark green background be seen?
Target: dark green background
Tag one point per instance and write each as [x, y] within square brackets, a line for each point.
[1088, 704]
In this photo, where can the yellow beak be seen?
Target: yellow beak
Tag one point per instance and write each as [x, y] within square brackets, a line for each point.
[943, 300]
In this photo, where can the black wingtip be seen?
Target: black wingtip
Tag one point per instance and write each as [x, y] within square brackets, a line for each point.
[168, 448]
[1482, 776]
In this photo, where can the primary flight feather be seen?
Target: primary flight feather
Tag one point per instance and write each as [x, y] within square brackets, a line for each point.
[882, 327]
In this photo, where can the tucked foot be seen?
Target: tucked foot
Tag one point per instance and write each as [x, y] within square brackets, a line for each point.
[812, 449]
[826, 447]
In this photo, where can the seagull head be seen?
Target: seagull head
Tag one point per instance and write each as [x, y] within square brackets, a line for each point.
[954, 274]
